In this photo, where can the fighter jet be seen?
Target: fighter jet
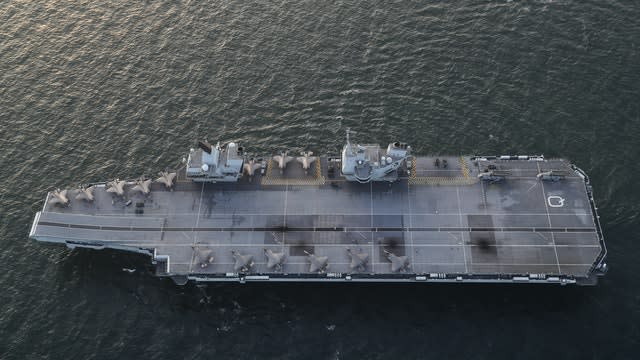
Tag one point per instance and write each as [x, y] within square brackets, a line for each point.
[358, 260]
[85, 193]
[398, 263]
[59, 197]
[282, 160]
[274, 259]
[317, 263]
[250, 167]
[203, 256]
[243, 262]
[142, 185]
[306, 160]
[166, 178]
[116, 187]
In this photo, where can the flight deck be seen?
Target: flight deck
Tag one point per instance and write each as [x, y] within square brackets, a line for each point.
[440, 224]
[439, 219]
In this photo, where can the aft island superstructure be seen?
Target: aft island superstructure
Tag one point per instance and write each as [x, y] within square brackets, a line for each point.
[366, 214]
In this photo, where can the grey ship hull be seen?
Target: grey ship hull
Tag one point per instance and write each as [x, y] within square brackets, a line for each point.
[452, 226]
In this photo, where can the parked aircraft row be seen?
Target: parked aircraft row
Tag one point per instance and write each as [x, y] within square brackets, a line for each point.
[117, 187]
[306, 159]
[317, 264]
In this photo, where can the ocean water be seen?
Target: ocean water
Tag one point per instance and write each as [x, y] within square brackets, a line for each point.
[91, 90]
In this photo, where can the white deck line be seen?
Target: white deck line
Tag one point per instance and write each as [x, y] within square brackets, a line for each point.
[527, 264]
[237, 213]
[195, 235]
[119, 216]
[161, 229]
[483, 193]
[284, 218]
[373, 241]
[464, 250]
[136, 243]
[306, 263]
[46, 201]
[34, 225]
[546, 207]
[410, 222]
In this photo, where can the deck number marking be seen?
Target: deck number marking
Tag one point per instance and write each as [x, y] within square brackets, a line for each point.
[555, 201]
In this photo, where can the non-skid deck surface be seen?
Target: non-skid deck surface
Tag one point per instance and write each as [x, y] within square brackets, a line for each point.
[519, 226]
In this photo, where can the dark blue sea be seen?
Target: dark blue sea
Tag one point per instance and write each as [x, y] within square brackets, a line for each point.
[93, 90]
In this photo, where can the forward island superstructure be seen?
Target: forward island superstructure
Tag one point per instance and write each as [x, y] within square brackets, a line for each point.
[365, 214]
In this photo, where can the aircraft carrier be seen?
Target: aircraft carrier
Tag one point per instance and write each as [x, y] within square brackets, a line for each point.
[367, 214]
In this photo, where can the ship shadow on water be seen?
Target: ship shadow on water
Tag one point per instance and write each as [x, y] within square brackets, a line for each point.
[273, 318]
[127, 271]
[120, 272]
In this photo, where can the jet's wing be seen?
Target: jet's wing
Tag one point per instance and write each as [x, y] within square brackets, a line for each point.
[358, 260]
[242, 262]
[142, 186]
[59, 197]
[118, 187]
[247, 168]
[112, 187]
[56, 200]
[318, 263]
[85, 194]
[398, 263]
[274, 259]
[250, 168]
[306, 160]
[166, 178]
[204, 256]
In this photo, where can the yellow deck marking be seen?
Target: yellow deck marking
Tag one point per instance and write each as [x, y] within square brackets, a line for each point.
[465, 179]
[441, 180]
[318, 179]
[464, 167]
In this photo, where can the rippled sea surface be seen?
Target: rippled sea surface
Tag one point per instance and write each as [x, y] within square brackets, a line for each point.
[91, 90]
